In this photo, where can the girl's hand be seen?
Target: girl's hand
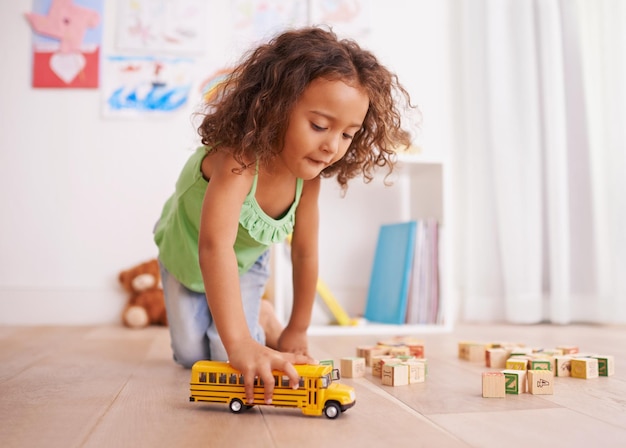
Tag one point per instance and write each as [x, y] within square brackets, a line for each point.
[295, 341]
[255, 360]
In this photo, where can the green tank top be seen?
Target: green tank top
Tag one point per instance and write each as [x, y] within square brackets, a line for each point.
[176, 233]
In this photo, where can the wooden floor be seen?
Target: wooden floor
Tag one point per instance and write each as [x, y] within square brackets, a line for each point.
[112, 387]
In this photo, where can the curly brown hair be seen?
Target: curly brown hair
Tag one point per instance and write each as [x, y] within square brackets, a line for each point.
[249, 115]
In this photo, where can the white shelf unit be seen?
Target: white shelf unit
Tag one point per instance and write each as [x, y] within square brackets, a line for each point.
[420, 189]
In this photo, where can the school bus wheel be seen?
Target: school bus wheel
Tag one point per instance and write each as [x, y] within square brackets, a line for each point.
[332, 410]
[236, 405]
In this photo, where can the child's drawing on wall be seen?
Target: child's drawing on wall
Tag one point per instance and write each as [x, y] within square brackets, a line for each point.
[135, 85]
[66, 42]
[256, 20]
[349, 18]
[172, 26]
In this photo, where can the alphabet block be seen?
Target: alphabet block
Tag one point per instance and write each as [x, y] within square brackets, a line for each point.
[395, 375]
[493, 385]
[584, 368]
[562, 365]
[472, 351]
[541, 363]
[368, 351]
[496, 358]
[540, 382]
[606, 365]
[517, 363]
[515, 381]
[352, 367]
[568, 349]
[377, 364]
[417, 371]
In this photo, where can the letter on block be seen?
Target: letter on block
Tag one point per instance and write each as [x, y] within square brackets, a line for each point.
[493, 385]
[353, 367]
[377, 364]
[562, 365]
[540, 382]
[584, 368]
[515, 381]
[540, 364]
[517, 363]
[606, 365]
[417, 371]
[395, 374]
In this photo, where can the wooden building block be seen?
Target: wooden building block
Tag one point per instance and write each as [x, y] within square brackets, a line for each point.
[398, 351]
[521, 351]
[377, 365]
[395, 375]
[540, 382]
[496, 357]
[553, 352]
[541, 363]
[562, 365]
[568, 349]
[417, 371]
[416, 349]
[515, 381]
[472, 351]
[517, 363]
[370, 350]
[584, 368]
[606, 365]
[493, 385]
[352, 367]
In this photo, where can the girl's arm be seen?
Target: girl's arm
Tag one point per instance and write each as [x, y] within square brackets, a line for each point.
[304, 258]
[219, 222]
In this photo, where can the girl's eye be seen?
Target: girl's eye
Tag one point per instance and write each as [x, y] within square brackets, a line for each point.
[317, 128]
[348, 136]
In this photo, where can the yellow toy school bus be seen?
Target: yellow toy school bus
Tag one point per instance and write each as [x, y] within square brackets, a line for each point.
[218, 382]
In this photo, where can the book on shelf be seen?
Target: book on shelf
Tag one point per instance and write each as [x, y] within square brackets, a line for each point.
[404, 282]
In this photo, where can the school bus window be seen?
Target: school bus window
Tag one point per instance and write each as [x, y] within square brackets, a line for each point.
[222, 378]
[301, 382]
[325, 381]
[202, 377]
[241, 381]
[212, 377]
[275, 381]
[284, 381]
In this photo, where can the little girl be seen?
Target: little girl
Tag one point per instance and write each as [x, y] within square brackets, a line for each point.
[302, 107]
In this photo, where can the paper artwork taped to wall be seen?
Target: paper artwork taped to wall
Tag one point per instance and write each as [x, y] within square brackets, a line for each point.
[163, 26]
[349, 18]
[67, 36]
[256, 21]
[145, 85]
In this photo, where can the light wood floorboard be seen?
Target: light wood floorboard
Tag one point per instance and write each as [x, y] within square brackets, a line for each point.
[113, 387]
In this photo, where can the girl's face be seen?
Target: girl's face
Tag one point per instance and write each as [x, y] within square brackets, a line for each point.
[322, 125]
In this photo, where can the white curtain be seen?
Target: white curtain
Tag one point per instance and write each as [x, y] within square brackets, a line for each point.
[540, 171]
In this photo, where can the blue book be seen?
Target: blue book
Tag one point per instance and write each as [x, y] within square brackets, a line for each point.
[391, 273]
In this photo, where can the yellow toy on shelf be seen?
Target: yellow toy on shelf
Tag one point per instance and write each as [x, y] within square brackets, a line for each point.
[318, 392]
[331, 302]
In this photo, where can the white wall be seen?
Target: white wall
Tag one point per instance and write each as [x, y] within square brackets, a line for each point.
[80, 193]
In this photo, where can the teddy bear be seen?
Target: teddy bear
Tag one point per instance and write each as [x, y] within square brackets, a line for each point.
[146, 303]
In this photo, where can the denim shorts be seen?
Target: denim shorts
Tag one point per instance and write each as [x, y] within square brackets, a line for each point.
[192, 329]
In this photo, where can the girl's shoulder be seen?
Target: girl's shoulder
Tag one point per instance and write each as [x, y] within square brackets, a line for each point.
[221, 163]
